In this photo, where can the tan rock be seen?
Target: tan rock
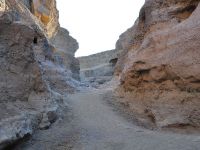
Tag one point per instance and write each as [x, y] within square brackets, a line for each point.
[161, 65]
[2, 5]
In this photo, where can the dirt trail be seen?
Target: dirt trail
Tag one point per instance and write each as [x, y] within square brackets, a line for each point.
[91, 124]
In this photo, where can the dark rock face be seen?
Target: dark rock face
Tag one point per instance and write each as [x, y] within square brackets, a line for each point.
[159, 70]
[31, 93]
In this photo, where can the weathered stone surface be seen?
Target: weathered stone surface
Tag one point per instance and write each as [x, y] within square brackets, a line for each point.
[30, 74]
[98, 68]
[65, 48]
[46, 12]
[161, 61]
[2, 5]
[64, 69]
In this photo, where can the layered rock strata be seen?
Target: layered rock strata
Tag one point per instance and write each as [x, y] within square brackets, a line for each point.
[160, 65]
[31, 95]
[98, 68]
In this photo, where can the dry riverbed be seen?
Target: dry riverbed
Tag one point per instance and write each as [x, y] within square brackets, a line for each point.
[90, 123]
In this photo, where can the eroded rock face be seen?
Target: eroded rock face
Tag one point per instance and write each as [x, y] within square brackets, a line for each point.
[65, 48]
[161, 61]
[31, 95]
[2, 5]
[46, 12]
[98, 68]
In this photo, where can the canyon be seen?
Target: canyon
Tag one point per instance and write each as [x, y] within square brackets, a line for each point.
[36, 68]
[99, 68]
[144, 94]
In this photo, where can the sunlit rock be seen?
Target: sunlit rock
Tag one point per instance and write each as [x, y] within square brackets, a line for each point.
[159, 68]
[2, 5]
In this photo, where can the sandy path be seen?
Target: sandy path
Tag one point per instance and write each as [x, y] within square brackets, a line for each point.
[93, 125]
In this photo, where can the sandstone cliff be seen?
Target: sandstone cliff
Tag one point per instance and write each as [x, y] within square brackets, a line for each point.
[32, 68]
[98, 68]
[160, 65]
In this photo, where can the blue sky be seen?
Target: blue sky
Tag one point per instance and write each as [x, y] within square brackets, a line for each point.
[97, 24]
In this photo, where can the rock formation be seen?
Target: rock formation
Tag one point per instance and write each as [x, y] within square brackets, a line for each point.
[157, 60]
[65, 48]
[32, 67]
[160, 64]
[46, 12]
[98, 68]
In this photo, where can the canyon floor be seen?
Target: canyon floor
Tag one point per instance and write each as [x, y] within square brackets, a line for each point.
[90, 123]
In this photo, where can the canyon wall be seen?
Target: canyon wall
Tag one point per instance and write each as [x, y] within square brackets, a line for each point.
[46, 13]
[35, 73]
[98, 68]
[160, 64]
